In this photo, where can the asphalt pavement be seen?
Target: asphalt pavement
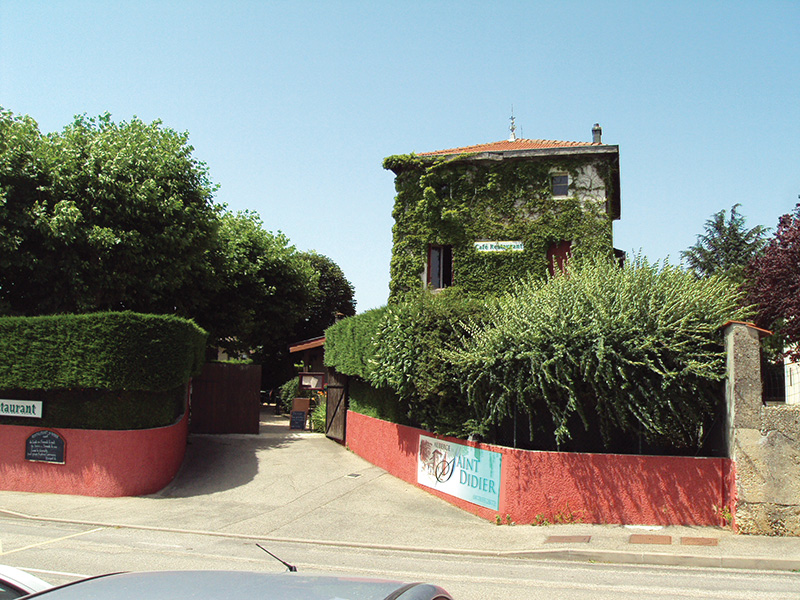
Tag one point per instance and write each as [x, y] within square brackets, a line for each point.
[298, 486]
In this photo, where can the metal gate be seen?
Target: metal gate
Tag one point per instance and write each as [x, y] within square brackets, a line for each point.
[336, 409]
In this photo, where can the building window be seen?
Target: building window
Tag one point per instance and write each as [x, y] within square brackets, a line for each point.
[558, 255]
[440, 266]
[560, 185]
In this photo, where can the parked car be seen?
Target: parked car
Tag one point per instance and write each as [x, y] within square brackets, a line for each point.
[197, 585]
[15, 583]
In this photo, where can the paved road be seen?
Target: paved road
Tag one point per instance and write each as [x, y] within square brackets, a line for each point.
[61, 552]
[326, 509]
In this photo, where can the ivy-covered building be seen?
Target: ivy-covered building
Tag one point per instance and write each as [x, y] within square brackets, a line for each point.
[478, 216]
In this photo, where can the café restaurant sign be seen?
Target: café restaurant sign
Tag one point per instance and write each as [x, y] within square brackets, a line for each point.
[21, 408]
[472, 474]
[499, 246]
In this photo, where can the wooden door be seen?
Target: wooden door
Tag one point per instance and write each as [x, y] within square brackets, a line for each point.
[336, 408]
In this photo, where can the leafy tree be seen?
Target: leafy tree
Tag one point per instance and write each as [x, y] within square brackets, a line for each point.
[633, 349]
[260, 289]
[108, 216]
[726, 247]
[332, 298]
[774, 283]
[102, 216]
[22, 174]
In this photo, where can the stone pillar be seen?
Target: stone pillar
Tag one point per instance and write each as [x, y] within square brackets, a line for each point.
[763, 441]
[743, 386]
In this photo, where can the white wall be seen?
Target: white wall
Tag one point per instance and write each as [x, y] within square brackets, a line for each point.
[791, 372]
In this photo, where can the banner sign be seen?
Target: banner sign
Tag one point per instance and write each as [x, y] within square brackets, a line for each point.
[21, 408]
[471, 474]
[499, 246]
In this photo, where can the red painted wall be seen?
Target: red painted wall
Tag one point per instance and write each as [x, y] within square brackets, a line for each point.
[592, 488]
[97, 462]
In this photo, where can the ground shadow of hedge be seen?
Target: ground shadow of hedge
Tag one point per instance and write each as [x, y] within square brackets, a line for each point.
[218, 463]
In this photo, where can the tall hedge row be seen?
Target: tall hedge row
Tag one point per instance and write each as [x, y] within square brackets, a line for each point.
[601, 358]
[408, 359]
[349, 344]
[396, 354]
[112, 351]
[629, 351]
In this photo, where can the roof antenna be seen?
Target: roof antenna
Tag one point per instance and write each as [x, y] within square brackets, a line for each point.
[513, 128]
[291, 568]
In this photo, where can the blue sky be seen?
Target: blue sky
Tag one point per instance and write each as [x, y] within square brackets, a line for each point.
[293, 105]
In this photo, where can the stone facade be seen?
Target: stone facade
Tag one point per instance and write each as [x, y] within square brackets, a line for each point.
[480, 217]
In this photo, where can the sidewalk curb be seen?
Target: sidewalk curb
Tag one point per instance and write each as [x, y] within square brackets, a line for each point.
[662, 559]
[566, 554]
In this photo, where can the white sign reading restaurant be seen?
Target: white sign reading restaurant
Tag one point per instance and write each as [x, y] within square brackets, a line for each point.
[499, 246]
[21, 408]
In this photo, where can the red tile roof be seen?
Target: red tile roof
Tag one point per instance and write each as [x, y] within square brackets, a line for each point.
[509, 146]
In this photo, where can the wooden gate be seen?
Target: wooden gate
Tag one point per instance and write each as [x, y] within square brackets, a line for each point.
[336, 408]
[226, 399]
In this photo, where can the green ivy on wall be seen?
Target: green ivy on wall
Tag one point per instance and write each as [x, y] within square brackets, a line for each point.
[457, 201]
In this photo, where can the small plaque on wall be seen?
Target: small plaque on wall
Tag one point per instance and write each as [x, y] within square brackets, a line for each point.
[45, 446]
[312, 381]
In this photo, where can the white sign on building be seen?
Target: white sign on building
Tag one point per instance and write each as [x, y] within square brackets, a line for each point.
[499, 246]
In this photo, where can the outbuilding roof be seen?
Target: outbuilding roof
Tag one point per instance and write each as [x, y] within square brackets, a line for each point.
[316, 342]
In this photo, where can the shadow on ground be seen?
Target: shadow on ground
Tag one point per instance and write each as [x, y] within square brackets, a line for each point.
[218, 463]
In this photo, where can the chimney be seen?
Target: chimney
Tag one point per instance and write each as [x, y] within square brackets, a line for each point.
[597, 131]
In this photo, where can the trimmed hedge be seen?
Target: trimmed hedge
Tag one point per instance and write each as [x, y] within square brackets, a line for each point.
[408, 359]
[395, 354]
[380, 403]
[603, 359]
[111, 351]
[102, 409]
[349, 344]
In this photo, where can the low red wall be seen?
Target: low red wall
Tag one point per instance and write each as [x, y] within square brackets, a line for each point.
[592, 488]
[96, 462]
